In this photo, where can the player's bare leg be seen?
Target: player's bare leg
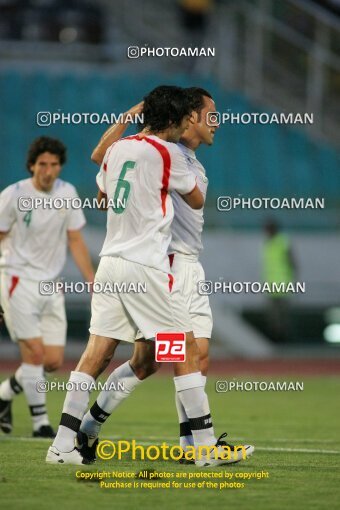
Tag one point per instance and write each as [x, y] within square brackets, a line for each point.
[190, 389]
[188, 381]
[98, 353]
[53, 357]
[143, 359]
[95, 358]
[129, 375]
[189, 386]
[29, 377]
[203, 346]
[191, 394]
[120, 383]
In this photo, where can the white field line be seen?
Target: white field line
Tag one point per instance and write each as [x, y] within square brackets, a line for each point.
[295, 450]
[148, 443]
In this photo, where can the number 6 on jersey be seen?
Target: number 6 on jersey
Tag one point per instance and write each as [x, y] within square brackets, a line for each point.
[122, 185]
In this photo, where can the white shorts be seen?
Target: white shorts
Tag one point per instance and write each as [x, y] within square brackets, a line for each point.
[121, 315]
[29, 314]
[187, 272]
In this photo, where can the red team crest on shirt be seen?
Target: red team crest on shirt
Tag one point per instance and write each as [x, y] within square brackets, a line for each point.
[170, 347]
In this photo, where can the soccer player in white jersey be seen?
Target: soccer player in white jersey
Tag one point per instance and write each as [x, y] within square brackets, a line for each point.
[186, 242]
[33, 248]
[147, 168]
[188, 380]
[184, 249]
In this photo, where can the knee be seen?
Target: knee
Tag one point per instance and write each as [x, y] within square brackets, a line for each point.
[151, 367]
[35, 355]
[90, 361]
[191, 344]
[105, 363]
[97, 355]
[192, 350]
[53, 364]
[90, 364]
[145, 368]
[204, 363]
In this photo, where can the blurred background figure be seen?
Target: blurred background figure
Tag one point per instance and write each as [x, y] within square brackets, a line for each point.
[194, 17]
[278, 267]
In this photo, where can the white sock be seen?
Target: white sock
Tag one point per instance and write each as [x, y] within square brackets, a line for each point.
[75, 405]
[11, 386]
[195, 402]
[30, 376]
[125, 381]
[185, 433]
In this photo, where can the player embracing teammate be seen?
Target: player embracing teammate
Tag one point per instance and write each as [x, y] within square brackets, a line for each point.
[149, 168]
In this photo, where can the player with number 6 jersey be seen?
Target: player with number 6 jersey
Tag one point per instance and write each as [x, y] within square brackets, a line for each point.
[138, 237]
[160, 168]
[156, 167]
[150, 169]
[186, 269]
[186, 230]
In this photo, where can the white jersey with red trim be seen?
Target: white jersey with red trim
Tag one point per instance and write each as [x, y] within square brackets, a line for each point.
[137, 175]
[188, 223]
[36, 245]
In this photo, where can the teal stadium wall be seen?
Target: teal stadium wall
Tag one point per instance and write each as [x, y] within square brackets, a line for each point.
[252, 160]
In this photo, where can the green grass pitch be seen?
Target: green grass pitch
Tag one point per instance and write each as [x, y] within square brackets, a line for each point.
[296, 436]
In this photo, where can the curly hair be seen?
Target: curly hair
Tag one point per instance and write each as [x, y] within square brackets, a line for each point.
[165, 106]
[45, 144]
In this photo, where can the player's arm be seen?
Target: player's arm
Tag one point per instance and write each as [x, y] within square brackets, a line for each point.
[195, 198]
[3, 235]
[183, 180]
[101, 183]
[114, 133]
[8, 204]
[102, 200]
[80, 254]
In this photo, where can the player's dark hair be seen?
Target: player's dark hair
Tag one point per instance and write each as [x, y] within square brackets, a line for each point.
[165, 106]
[196, 98]
[45, 144]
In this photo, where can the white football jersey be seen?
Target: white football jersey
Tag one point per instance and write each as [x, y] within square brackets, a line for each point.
[36, 245]
[141, 172]
[188, 223]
